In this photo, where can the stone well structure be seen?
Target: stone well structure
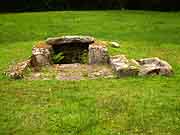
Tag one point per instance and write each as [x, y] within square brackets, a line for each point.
[74, 49]
[87, 50]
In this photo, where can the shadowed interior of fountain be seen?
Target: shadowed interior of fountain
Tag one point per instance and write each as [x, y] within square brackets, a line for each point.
[72, 53]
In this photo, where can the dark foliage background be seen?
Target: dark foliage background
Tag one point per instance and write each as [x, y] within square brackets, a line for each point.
[44, 5]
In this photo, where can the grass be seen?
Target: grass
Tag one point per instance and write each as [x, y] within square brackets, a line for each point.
[127, 106]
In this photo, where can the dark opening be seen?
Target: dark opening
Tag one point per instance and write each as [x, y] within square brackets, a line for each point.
[71, 53]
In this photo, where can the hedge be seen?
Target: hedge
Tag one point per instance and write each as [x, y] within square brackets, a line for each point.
[44, 5]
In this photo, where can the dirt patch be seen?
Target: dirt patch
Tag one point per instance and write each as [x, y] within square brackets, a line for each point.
[71, 72]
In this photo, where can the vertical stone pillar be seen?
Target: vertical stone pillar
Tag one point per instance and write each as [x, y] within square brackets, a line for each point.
[98, 54]
[41, 56]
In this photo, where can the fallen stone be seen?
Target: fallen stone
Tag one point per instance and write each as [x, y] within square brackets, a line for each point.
[70, 39]
[123, 67]
[154, 66]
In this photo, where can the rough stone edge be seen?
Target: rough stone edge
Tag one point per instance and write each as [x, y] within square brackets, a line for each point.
[17, 71]
[70, 39]
[124, 67]
[98, 47]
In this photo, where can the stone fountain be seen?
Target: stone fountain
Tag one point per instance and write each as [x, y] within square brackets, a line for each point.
[87, 50]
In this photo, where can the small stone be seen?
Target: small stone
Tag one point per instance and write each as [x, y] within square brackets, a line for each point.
[46, 79]
[97, 74]
[16, 75]
[37, 75]
[115, 44]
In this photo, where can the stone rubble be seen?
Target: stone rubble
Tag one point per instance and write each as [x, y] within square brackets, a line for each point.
[148, 66]
[17, 71]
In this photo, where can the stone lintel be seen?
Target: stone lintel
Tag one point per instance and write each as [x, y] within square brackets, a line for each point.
[70, 40]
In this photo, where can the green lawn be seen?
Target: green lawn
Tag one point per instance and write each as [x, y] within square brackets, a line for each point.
[127, 106]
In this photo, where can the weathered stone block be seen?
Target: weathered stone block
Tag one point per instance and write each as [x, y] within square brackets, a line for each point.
[98, 54]
[41, 56]
[124, 67]
[70, 39]
[154, 66]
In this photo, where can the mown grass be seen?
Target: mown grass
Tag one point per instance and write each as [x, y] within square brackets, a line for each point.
[127, 106]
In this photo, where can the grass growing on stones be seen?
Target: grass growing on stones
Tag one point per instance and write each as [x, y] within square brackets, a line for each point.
[127, 106]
